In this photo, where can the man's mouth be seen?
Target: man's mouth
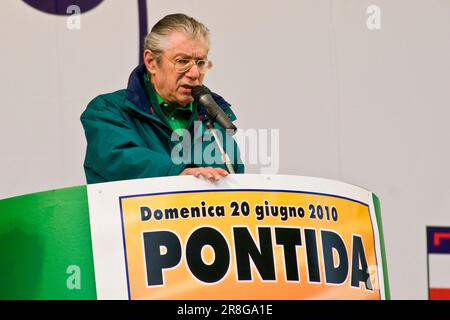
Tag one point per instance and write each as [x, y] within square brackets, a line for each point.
[186, 88]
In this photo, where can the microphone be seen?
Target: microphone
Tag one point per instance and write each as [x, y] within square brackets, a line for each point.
[215, 113]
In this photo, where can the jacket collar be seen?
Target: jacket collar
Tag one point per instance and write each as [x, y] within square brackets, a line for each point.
[136, 91]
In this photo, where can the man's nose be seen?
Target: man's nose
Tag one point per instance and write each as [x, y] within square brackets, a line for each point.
[193, 72]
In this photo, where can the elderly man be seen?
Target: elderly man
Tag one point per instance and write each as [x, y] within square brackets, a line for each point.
[130, 133]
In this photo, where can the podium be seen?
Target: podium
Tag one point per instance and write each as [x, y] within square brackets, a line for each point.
[245, 237]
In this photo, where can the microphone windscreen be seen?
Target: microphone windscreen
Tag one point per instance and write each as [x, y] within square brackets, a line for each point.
[198, 91]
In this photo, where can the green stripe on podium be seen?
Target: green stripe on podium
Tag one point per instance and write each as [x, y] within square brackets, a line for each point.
[45, 246]
[376, 202]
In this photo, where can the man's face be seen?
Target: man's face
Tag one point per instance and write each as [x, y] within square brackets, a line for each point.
[173, 86]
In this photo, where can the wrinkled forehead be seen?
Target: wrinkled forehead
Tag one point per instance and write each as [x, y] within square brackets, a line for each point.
[181, 43]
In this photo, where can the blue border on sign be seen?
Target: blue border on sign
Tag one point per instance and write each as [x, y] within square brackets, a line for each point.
[125, 248]
[241, 190]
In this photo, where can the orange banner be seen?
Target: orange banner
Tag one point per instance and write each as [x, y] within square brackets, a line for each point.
[248, 245]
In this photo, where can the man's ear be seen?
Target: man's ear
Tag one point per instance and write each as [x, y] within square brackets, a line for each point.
[150, 61]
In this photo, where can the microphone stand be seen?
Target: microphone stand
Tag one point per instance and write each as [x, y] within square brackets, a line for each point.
[225, 158]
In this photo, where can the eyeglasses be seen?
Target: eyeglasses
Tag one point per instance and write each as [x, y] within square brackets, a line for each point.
[183, 65]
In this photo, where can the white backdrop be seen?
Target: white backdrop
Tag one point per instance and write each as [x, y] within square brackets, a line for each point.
[367, 107]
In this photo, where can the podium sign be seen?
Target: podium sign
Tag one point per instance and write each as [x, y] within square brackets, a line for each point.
[245, 237]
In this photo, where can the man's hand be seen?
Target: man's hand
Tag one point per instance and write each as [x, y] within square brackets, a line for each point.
[210, 173]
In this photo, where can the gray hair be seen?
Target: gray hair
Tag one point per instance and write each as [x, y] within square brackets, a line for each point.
[157, 40]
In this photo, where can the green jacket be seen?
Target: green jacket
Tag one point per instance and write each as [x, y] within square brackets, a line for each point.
[128, 139]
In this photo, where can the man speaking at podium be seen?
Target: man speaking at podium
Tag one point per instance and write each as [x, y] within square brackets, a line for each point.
[130, 132]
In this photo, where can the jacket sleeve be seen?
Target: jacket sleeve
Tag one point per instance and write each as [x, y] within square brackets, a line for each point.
[114, 150]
